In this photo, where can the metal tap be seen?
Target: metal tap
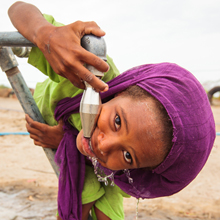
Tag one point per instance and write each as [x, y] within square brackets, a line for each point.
[91, 101]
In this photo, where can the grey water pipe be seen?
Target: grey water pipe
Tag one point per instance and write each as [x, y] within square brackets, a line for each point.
[14, 39]
[89, 104]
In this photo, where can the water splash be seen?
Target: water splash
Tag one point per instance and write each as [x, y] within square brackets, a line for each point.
[137, 209]
[101, 174]
[127, 173]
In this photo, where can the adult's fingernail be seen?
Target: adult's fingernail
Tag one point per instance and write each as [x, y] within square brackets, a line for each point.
[102, 31]
[108, 69]
[105, 89]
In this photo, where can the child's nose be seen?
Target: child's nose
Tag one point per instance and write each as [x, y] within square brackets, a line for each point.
[104, 144]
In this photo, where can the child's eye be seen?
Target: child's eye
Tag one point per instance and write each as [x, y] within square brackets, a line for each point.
[117, 122]
[127, 157]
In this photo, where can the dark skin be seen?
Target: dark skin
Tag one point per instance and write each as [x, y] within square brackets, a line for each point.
[60, 45]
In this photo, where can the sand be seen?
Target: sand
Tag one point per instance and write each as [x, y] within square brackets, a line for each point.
[28, 185]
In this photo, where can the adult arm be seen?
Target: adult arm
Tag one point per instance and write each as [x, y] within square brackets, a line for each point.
[60, 45]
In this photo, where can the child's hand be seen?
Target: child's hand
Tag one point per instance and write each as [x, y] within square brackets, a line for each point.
[43, 134]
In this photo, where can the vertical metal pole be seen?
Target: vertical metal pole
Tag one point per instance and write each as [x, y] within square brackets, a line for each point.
[9, 65]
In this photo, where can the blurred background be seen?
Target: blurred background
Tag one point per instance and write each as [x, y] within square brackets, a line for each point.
[139, 32]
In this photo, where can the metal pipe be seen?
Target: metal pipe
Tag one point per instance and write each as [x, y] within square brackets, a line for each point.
[21, 51]
[14, 39]
[95, 45]
[91, 101]
[9, 65]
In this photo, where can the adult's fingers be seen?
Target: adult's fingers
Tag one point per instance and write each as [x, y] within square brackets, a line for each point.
[91, 27]
[75, 74]
[89, 77]
[74, 77]
[92, 59]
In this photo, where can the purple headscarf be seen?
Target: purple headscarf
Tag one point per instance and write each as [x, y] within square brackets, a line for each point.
[193, 135]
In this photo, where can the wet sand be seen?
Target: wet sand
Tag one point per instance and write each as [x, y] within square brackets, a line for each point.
[28, 185]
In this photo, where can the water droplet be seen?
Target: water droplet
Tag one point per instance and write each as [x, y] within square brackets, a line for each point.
[100, 173]
[137, 209]
[127, 173]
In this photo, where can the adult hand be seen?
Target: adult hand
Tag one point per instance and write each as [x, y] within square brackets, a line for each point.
[61, 47]
[44, 135]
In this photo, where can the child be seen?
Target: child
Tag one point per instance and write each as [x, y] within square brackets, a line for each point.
[154, 134]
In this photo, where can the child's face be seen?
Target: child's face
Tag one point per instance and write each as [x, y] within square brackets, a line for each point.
[127, 135]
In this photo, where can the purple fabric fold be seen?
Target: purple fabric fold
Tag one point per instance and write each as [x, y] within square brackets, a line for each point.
[71, 182]
[193, 135]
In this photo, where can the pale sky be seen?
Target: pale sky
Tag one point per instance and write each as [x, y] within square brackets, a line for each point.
[142, 31]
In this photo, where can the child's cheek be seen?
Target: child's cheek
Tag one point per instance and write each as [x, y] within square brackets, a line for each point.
[78, 140]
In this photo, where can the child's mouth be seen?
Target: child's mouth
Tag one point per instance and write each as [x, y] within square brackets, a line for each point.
[87, 147]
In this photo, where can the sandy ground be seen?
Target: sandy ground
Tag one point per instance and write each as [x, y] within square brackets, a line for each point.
[28, 185]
